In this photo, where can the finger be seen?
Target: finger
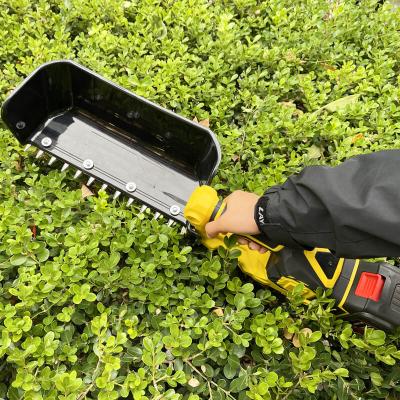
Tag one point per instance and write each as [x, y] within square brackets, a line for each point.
[254, 246]
[263, 250]
[213, 228]
[242, 240]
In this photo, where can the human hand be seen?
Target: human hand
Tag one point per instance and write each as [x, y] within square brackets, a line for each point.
[238, 218]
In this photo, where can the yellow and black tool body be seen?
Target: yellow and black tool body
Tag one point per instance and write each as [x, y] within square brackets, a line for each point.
[364, 291]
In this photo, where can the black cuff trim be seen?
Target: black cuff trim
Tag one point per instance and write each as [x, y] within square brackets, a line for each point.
[266, 217]
[260, 212]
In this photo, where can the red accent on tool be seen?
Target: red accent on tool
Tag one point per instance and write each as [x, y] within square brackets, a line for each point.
[370, 286]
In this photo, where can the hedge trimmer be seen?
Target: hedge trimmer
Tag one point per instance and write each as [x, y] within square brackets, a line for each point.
[165, 162]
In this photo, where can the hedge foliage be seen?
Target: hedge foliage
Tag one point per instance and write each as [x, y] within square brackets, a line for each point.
[100, 302]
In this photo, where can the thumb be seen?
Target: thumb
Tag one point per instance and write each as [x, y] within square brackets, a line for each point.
[213, 228]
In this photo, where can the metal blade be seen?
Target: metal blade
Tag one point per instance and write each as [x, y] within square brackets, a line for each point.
[143, 209]
[90, 181]
[52, 161]
[129, 202]
[156, 215]
[77, 174]
[171, 222]
[27, 147]
[104, 186]
[116, 194]
[64, 167]
[39, 154]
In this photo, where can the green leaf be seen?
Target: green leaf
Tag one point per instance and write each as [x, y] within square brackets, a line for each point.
[375, 337]
[151, 239]
[343, 372]
[18, 260]
[240, 301]
[376, 378]
[315, 337]
[341, 103]
[148, 344]
[238, 384]
[229, 371]
[272, 378]
[314, 152]
[43, 254]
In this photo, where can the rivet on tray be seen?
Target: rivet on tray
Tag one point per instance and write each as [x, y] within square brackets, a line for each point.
[46, 142]
[175, 210]
[130, 186]
[20, 125]
[88, 163]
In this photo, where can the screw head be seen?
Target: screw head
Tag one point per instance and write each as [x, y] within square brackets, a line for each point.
[133, 114]
[88, 164]
[20, 125]
[175, 210]
[130, 186]
[46, 142]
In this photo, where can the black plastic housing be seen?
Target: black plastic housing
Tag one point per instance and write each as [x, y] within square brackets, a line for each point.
[384, 313]
[128, 138]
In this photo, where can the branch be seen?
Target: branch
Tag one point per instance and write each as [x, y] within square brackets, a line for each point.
[209, 382]
[94, 376]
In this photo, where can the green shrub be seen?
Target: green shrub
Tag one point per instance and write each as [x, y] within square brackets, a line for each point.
[105, 303]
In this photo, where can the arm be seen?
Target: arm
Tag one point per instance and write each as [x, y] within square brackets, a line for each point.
[352, 209]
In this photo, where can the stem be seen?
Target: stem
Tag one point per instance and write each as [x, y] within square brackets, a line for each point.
[94, 376]
[195, 356]
[291, 390]
[209, 390]
[162, 378]
[226, 325]
[153, 371]
[209, 382]
[44, 311]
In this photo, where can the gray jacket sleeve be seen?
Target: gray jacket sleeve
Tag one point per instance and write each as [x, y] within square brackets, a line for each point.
[352, 209]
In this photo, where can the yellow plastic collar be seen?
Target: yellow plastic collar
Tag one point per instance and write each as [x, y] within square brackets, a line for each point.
[200, 207]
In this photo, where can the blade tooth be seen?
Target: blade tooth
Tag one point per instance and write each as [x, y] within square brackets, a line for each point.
[78, 173]
[90, 181]
[39, 154]
[184, 230]
[52, 161]
[157, 215]
[64, 167]
[104, 186]
[27, 147]
[129, 202]
[116, 195]
[171, 222]
[143, 209]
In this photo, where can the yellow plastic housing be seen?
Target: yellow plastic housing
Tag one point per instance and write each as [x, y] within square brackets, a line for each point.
[198, 212]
